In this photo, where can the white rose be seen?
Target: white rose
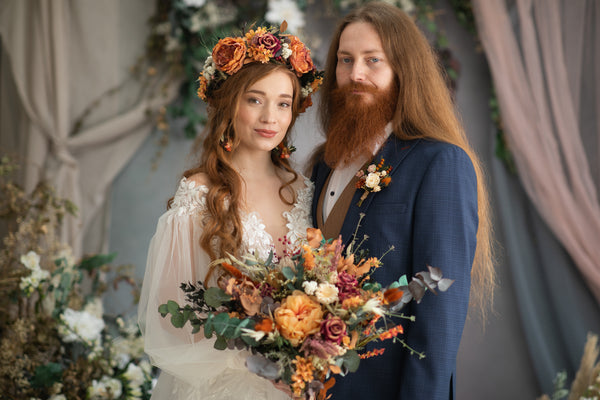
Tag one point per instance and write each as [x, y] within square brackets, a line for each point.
[97, 390]
[372, 180]
[134, 374]
[31, 260]
[114, 385]
[377, 188]
[94, 307]
[327, 293]
[80, 325]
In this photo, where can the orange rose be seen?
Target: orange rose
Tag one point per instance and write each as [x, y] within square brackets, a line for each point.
[229, 54]
[300, 58]
[297, 317]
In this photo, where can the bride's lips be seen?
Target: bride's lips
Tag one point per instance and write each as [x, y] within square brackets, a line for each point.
[266, 133]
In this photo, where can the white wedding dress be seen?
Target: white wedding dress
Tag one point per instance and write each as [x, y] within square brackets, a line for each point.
[191, 369]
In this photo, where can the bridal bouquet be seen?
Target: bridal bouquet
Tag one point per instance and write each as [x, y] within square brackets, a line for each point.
[306, 316]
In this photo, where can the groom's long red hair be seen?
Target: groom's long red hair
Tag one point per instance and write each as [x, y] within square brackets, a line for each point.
[424, 109]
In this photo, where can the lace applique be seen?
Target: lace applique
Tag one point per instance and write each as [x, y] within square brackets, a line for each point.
[299, 218]
[255, 238]
[191, 199]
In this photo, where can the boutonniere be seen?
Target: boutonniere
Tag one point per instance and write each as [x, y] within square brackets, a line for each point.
[373, 179]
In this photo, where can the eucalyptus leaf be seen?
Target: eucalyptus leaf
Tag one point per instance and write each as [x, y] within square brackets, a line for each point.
[220, 343]
[172, 307]
[177, 320]
[288, 273]
[262, 366]
[351, 360]
[215, 297]
[208, 329]
[444, 284]
[163, 310]
[221, 323]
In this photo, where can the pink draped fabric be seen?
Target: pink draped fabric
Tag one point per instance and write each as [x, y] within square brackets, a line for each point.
[539, 64]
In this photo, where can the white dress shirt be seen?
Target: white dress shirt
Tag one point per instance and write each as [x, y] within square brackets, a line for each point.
[342, 175]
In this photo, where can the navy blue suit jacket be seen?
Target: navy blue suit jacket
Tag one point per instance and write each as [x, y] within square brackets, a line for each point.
[429, 213]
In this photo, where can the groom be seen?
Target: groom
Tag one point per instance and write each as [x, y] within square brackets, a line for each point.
[383, 99]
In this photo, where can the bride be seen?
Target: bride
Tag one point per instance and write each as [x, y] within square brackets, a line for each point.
[242, 197]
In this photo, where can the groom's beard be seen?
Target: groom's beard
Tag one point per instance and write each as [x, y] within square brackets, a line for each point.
[357, 123]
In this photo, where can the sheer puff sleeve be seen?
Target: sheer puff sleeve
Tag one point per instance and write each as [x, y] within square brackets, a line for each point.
[190, 367]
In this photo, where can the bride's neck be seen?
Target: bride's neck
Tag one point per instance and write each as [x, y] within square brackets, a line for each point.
[254, 166]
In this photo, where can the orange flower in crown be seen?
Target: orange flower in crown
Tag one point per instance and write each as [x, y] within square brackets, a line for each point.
[229, 54]
[300, 58]
[262, 45]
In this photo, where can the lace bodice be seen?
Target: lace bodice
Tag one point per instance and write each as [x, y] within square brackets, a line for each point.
[190, 199]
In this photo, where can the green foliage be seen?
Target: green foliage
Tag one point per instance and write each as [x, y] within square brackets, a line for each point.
[351, 360]
[47, 375]
[215, 297]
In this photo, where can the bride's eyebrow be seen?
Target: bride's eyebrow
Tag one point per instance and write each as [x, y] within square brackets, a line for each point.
[260, 92]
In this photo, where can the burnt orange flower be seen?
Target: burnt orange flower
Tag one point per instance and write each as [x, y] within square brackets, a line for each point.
[314, 85]
[300, 59]
[309, 257]
[232, 270]
[298, 316]
[229, 54]
[352, 302]
[344, 264]
[392, 295]
[314, 237]
[264, 325]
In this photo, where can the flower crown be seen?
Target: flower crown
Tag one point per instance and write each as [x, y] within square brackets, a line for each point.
[262, 45]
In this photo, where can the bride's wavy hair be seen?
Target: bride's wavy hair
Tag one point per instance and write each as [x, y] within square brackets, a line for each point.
[222, 225]
[424, 109]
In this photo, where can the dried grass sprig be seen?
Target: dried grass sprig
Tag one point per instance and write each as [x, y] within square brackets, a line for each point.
[588, 369]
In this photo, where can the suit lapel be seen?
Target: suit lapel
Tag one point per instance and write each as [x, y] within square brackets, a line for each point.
[320, 178]
[393, 152]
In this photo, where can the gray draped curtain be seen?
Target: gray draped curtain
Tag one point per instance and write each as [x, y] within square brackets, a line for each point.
[544, 57]
[59, 56]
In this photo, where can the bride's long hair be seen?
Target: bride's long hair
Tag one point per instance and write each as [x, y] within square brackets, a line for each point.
[222, 225]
